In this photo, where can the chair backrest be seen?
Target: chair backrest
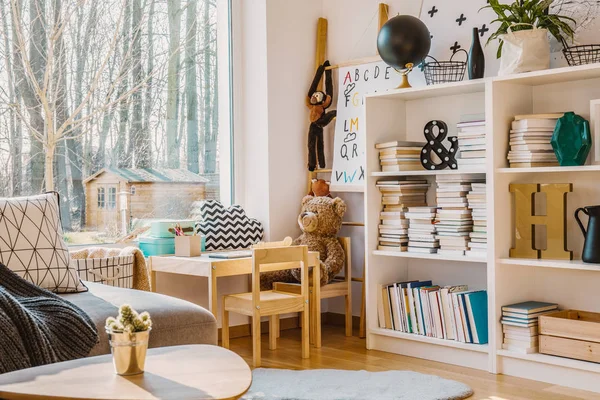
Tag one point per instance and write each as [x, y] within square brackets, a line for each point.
[287, 242]
[279, 259]
[346, 245]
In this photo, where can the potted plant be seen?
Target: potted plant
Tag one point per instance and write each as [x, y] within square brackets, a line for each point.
[523, 34]
[128, 335]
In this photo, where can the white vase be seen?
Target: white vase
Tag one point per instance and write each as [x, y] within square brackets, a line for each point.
[524, 51]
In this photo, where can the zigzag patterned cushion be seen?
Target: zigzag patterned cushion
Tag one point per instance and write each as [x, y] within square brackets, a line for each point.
[32, 245]
[227, 228]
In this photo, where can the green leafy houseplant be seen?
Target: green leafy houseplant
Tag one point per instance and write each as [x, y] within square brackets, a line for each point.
[129, 321]
[526, 14]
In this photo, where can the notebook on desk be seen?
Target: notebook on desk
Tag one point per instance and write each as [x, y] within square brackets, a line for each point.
[231, 254]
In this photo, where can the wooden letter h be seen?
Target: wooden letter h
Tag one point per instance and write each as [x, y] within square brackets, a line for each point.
[555, 220]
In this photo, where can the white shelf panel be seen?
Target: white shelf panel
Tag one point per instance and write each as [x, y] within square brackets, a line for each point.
[424, 256]
[545, 170]
[554, 75]
[424, 172]
[560, 264]
[552, 360]
[480, 348]
[439, 90]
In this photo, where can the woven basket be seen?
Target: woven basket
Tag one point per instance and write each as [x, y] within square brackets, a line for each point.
[445, 71]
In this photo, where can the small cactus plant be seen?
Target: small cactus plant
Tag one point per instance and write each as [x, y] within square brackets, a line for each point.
[129, 321]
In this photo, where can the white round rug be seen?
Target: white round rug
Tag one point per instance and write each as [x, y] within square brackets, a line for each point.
[333, 384]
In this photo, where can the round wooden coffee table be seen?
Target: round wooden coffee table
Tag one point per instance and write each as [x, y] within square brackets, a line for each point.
[179, 372]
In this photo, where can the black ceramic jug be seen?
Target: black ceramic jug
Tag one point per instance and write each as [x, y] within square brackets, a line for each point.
[591, 246]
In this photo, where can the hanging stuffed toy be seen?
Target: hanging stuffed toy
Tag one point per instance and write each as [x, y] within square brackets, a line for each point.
[318, 102]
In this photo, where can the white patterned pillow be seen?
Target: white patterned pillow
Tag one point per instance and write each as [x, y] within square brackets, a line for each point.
[32, 245]
[227, 228]
[113, 271]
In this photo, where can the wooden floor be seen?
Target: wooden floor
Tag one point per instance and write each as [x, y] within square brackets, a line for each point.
[343, 352]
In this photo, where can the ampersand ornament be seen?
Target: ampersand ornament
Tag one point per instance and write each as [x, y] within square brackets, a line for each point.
[435, 133]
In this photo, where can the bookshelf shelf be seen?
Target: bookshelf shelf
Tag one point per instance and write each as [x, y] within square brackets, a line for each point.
[480, 348]
[401, 115]
[545, 170]
[424, 172]
[552, 360]
[424, 256]
[561, 264]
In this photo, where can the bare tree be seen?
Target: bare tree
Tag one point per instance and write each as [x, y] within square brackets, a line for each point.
[191, 89]
[210, 137]
[16, 138]
[44, 87]
[174, 10]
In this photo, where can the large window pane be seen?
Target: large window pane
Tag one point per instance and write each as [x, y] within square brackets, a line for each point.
[113, 104]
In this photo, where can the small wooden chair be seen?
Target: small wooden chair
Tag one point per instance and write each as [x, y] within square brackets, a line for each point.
[271, 303]
[340, 286]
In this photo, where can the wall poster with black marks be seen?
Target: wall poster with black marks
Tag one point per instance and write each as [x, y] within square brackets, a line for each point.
[349, 141]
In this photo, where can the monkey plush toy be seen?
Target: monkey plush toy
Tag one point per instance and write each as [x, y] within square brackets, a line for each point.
[318, 102]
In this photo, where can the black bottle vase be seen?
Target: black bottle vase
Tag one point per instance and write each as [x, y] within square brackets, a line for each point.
[476, 57]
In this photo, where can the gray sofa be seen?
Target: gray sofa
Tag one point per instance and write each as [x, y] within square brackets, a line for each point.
[175, 322]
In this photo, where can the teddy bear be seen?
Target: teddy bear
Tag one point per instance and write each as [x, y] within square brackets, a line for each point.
[319, 187]
[320, 221]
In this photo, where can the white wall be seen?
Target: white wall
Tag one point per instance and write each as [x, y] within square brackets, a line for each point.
[274, 123]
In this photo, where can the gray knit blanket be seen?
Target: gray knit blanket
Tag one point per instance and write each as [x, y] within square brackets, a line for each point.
[38, 327]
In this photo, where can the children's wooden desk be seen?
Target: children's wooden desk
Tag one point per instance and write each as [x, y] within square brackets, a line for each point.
[213, 268]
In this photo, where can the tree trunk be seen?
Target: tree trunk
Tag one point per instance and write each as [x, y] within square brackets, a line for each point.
[15, 134]
[139, 142]
[74, 146]
[122, 159]
[148, 91]
[210, 143]
[61, 108]
[174, 11]
[191, 90]
[37, 48]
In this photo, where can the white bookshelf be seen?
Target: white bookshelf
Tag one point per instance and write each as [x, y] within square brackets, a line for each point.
[401, 115]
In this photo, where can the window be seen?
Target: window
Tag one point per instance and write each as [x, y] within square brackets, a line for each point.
[112, 198]
[134, 95]
[100, 197]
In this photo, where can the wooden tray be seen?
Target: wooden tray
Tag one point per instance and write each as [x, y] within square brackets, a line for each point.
[571, 324]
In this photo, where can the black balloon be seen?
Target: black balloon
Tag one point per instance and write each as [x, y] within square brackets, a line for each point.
[403, 40]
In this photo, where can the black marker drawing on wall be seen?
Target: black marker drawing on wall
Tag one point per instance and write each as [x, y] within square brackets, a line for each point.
[461, 19]
[483, 30]
[455, 47]
[432, 11]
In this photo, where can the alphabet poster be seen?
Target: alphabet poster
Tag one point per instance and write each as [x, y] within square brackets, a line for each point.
[349, 141]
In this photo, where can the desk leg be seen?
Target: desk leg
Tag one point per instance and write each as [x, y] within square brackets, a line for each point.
[213, 300]
[152, 276]
[317, 304]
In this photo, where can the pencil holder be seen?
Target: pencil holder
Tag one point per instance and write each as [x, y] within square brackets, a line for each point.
[189, 246]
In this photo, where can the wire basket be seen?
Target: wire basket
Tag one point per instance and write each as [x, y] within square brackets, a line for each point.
[445, 71]
[584, 54]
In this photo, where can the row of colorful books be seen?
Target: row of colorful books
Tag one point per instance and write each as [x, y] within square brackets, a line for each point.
[421, 308]
[520, 325]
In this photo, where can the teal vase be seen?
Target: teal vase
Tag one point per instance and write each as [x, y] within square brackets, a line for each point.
[571, 140]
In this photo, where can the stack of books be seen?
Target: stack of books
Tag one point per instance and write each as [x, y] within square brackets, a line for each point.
[520, 325]
[453, 221]
[478, 206]
[421, 230]
[471, 140]
[396, 197]
[530, 141]
[400, 156]
[449, 312]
